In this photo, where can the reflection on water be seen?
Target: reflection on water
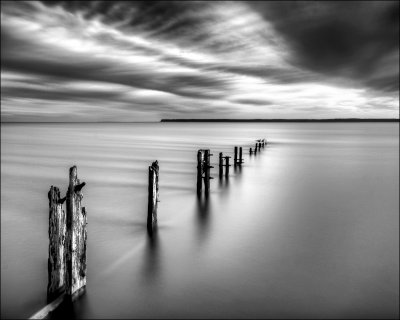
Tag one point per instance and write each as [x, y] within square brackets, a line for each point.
[308, 227]
[203, 207]
[152, 259]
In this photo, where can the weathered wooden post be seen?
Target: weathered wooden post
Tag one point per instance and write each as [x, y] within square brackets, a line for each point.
[251, 151]
[227, 165]
[153, 196]
[199, 171]
[255, 149]
[76, 236]
[235, 159]
[221, 165]
[207, 171]
[241, 160]
[56, 260]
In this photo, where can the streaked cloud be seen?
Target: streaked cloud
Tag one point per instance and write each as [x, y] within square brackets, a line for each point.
[142, 61]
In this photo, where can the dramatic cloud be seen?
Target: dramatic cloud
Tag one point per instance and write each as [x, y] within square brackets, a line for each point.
[142, 61]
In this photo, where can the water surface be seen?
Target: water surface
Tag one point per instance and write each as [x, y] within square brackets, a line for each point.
[308, 228]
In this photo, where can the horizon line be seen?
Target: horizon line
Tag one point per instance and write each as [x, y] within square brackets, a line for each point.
[222, 120]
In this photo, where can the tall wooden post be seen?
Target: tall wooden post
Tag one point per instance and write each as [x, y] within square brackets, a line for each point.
[235, 159]
[153, 195]
[221, 165]
[199, 171]
[76, 236]
[207, 171]
[56, 260]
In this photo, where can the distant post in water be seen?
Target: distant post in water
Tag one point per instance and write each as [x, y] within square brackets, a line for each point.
[207, 171]
[76, 236]
[240, 156]
[255, 149]
[56, 260]
[203, 171]
[200, 157]
[235, 159]
[153, 195]
[227, 165]
[251, 151]
[221, 165]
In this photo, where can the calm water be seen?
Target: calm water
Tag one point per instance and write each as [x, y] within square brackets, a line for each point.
[307, 228]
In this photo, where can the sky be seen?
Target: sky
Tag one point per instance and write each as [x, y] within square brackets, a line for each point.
[96, 61]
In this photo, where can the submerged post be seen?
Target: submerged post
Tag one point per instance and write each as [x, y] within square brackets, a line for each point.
[153, 195]
[76, 236]
[227, 165]
[221, 165]
[56, 260]
[207, 171]
[199, 171]
[235, 159]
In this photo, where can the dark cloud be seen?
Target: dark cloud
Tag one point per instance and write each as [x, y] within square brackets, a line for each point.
[340, 38]
[196, 57]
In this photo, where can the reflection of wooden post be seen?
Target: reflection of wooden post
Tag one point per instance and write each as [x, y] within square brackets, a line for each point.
[235, 159]
[221, 165]
[199, 171]
[153, 194]
[56, 260]
[76, 236]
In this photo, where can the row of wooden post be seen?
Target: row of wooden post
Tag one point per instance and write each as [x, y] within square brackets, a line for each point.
[260, 143]
[203, 164]
[68, 234]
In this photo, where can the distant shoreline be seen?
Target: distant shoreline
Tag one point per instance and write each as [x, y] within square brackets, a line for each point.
[281, 120]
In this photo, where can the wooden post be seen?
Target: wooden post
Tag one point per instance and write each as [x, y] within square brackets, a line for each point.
[227, 165]
[207, 171]
[221, 165]
[240, 156]
[199, 171]
[76, 236]
[251, 151]
[235, 159]
[255, 149]
[56, 260]
[153, 195]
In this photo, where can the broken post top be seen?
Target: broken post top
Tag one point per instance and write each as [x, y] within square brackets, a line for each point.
[74, 183]
[53, 195]
[154, 165]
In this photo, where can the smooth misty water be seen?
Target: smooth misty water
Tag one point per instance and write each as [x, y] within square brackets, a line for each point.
[307, 228]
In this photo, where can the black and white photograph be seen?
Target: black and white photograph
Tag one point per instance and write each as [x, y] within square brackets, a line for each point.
[200, 159]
